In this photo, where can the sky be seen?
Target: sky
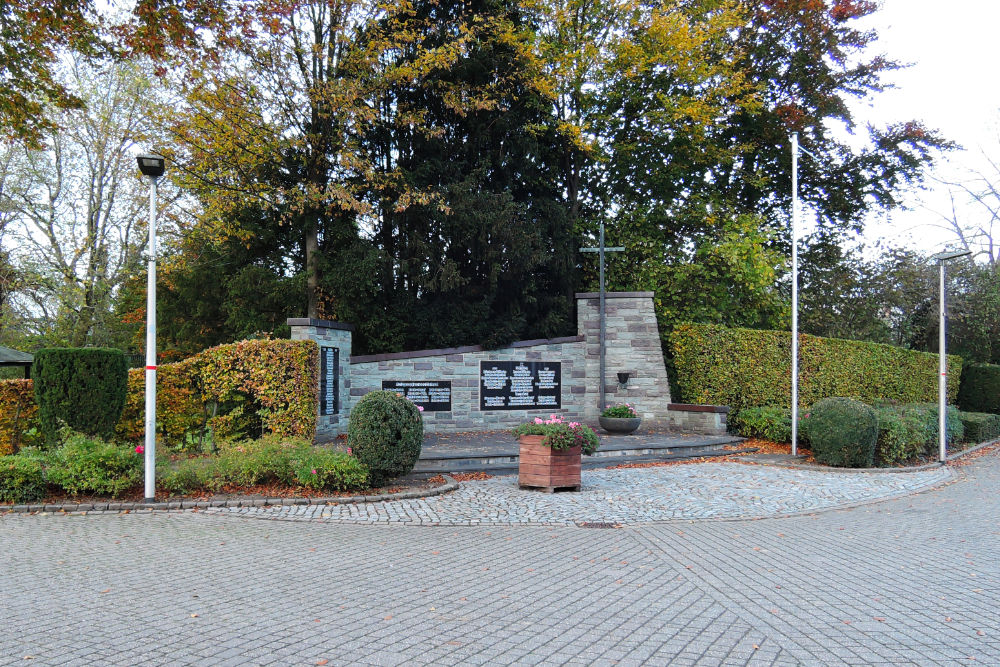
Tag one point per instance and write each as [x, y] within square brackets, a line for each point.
[951, 86]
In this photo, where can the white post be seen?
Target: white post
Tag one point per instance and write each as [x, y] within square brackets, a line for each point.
[943, 374]
[795, 293]
[150, 443]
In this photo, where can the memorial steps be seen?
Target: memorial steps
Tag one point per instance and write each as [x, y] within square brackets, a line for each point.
[495, 452]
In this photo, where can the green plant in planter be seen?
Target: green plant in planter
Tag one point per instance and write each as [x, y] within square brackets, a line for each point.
[623, 411]
[559, 434]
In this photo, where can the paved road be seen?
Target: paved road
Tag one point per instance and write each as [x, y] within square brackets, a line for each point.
[911, 580]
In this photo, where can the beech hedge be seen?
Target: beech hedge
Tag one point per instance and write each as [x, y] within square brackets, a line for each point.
[750, 368]
[239, 389]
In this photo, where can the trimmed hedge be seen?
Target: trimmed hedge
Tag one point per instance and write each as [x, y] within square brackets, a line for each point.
[749, 368]
[90, 465]
[980, 426]
[82, 388]
[980, 391]
[18, 415]
[235, 390]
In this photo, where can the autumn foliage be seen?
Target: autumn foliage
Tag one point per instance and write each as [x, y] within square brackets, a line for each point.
[267, 386]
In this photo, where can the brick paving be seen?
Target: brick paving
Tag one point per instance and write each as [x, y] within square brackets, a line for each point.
[914, 579]
[630, 495]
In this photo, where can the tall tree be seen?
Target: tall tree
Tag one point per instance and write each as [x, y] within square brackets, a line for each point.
[74, 206]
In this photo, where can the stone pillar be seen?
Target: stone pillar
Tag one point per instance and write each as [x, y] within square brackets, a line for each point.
[632, 346]
[334, 340]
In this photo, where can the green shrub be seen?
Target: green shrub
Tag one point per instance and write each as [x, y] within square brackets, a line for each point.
[82, 388]
[901, 435]
[980, 389]
[267, 460]
[955, 429]
[22, 479]
[772, 423]
[385, 433]
[749, 368]
[90, 465]
[185, 476]
[325, 470]
[980, 426]
[842, 432]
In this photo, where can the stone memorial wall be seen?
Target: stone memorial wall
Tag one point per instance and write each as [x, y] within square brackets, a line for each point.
[468, 388]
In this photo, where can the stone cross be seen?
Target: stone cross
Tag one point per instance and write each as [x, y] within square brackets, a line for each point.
[600, 250]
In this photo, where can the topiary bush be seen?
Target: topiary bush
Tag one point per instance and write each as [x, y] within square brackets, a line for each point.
[385, 432]
[772, 423]
[980, 426]
[22, 479]
[82, 388]
[842, 432]
[980, 388]
[85, 464]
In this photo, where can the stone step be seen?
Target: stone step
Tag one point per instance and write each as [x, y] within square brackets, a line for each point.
[506, 458]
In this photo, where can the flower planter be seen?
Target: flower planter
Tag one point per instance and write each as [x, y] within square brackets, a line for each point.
[620, 425]
[546, 469]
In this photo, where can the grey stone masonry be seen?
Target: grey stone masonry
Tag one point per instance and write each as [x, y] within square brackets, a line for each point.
[336, 335]
[703, 419]
[460, 366]
[632, 346]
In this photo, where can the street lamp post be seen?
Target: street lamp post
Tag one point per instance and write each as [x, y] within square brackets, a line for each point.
[152, 166]
[941, 258]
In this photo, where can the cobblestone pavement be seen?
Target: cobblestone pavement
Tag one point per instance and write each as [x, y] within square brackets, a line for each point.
[912, 580]
[629, 495]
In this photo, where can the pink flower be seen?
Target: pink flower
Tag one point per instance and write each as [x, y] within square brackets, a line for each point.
[314, 471]
[420, 407]
[574, 424]
[538, 420]
[139, 449]
[350, 451]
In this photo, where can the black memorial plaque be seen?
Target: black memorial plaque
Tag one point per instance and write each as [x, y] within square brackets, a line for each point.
[329, 380]
[432, 395]
[520, 385]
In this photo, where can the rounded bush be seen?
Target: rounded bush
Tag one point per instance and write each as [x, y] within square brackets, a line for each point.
[22, 479]
[900, 436]
[82, 388]
[385, 433]
[842, 432]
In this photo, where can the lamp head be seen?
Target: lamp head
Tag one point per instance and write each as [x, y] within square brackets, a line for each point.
[950, 254]
[151, 164]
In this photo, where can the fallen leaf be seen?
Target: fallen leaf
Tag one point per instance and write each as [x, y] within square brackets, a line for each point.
[454, 643]
[755, 647]
[194, 615]
[106, 590]
[880, 619]
[980, 633]
[847, 622]
[322, 662]
[947, 619]
[388, 618]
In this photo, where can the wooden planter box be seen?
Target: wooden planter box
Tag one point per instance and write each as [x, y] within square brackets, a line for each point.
[543, 468]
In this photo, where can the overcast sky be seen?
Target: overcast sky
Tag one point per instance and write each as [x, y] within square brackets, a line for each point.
[951, 86]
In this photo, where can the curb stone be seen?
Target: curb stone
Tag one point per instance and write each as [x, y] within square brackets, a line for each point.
[927, 466]
[78, 508]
